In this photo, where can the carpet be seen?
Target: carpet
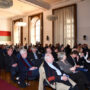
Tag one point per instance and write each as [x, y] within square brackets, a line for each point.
[6, 86]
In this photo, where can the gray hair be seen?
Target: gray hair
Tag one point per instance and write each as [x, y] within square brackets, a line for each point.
[22, 51]
[61, 55]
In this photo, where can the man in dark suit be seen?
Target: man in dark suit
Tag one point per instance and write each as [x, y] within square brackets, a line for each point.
[72, 59]
[54, 73]
[11, 63]
[26, 68]
[35, 57]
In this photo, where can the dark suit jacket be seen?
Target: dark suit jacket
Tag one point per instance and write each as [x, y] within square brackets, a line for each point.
[9, 61]
[23, 67]
[31, 55]
[81, 61]
[71, 61]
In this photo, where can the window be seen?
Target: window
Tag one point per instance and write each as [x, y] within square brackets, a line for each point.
[64, 26]
[35, 32]
[17, 32]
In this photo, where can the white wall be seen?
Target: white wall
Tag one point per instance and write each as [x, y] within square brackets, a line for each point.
[5, 25]
[47, 28]
[83, 21]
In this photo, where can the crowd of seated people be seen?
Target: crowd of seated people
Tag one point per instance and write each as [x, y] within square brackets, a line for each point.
[24, 62]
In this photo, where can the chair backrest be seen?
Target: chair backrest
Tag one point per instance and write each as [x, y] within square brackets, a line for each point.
[42, 78]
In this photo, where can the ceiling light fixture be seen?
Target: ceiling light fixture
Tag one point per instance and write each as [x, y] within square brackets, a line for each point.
[21, 24]
[6, 3]
[52, 17]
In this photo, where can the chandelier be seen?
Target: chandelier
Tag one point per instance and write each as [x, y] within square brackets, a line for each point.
[21, 24]
[52, 17]
[6, 3]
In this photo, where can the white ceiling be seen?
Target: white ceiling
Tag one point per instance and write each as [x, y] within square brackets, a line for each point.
[20, 8]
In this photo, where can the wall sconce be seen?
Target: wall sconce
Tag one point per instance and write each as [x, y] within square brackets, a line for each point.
[25, 38]
[84, 37]
[47, 38]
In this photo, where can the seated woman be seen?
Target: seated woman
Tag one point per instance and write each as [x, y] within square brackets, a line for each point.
[64, 65]
[75, 75]
[26, 68]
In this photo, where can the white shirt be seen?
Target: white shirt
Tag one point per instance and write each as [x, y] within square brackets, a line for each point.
[56, 69]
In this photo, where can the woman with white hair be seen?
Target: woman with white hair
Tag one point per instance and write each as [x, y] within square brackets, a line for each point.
[64, 65]
[27, 70]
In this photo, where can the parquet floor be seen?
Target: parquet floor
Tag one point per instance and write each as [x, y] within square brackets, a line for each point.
[33, 84]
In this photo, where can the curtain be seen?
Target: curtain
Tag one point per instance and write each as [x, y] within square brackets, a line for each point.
[58, 27]
[17, 32]
[64, 26]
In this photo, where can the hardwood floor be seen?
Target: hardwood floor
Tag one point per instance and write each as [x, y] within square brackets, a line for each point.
[33, 84]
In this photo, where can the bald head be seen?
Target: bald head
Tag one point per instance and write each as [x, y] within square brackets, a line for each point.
[49, 58]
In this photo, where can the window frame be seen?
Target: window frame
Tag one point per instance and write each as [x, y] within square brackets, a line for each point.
[75, 22]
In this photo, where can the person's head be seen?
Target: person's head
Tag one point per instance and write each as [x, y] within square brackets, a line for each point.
[34, 49]
[62, 56]
[49, 58]
[81, 54]
[56, 50]
[9, 51]
[23, 53]
[48, 50]
[74, 54]
[62, 47]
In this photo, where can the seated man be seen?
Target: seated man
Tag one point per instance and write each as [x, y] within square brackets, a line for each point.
[35, 57]
[11, 63]
[54, 74]
[26, 68]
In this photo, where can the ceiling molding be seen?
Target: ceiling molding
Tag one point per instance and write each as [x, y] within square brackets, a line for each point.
[61, 1]
[38, 3]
